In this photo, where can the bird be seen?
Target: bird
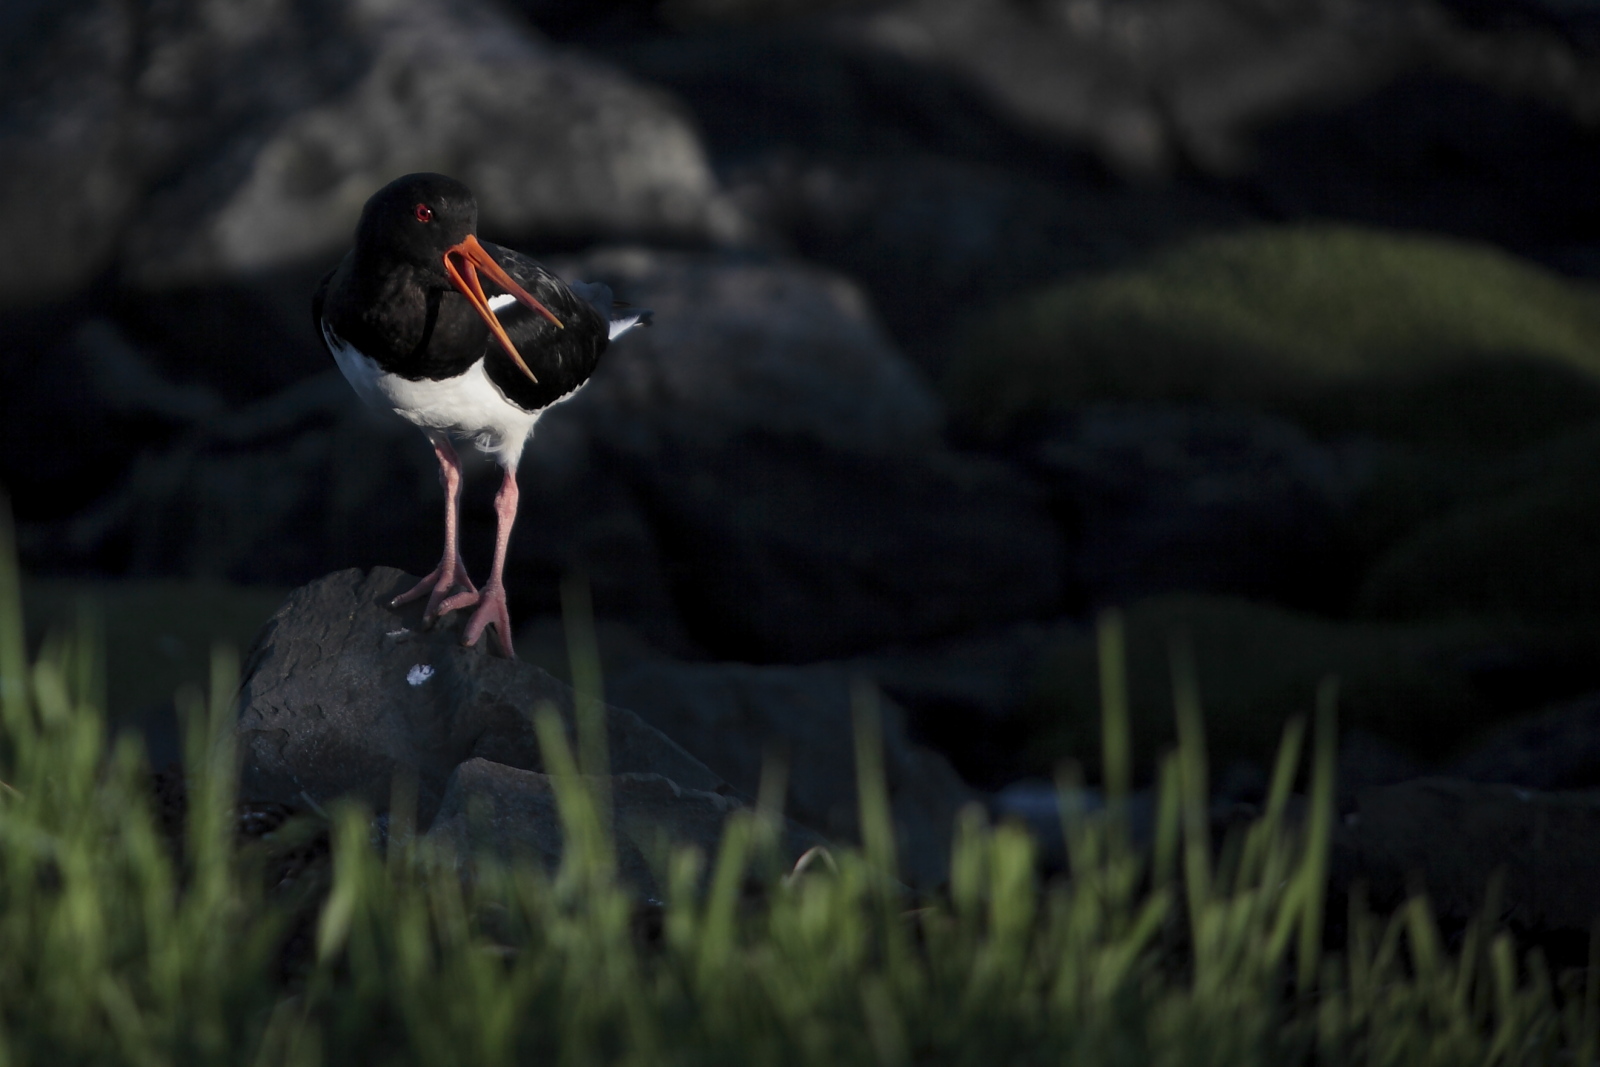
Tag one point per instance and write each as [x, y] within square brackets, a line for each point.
[466, 340]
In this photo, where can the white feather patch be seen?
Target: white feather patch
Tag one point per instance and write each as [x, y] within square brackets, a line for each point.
[468, 405]
[623, 324]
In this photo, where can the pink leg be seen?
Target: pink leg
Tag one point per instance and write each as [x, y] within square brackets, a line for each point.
[451, 571]
[492, 602]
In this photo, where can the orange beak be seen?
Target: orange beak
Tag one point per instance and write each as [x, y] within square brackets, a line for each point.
[465, 279]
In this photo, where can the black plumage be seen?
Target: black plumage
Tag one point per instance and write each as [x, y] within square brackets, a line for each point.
[418, 333]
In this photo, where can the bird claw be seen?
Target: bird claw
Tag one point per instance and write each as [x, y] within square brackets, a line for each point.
[438, 585]
[491, 612]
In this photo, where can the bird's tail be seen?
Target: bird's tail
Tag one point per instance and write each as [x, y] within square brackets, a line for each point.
[624, 318]
[621, 317]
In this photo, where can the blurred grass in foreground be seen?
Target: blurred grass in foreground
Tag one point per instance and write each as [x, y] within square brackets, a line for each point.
[158, 633]
[117, 948]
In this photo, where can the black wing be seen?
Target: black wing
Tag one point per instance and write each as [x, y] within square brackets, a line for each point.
[561, 357]
[318, 298]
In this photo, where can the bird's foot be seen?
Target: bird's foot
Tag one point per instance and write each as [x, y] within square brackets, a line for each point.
[491, 612]
[446, 578]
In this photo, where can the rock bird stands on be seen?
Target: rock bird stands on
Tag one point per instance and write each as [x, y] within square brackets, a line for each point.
[411, 325]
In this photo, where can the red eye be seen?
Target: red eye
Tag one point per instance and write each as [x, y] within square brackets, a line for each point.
[424, 213]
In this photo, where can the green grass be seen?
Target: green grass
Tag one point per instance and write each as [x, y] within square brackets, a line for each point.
[157, 633]
[1258, 665]
[1436, 342]
[117, 949]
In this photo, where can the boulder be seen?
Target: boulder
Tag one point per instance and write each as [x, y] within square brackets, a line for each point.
[63, 97]
[198, 140]
[1554, 750]
[1519, 541]
[1165, 497]
[789, 463]
[504, 811]
[737, 717]
[961, 696]
[341, 694]
[1448, 837]
[1150, 84]
[1442, 344]
[552, 143]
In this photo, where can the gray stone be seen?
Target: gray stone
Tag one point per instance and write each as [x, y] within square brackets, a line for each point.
[551, 142]
[1149, 84]
[201, 139]
[340, 694]
[737, 717]
[512, 813]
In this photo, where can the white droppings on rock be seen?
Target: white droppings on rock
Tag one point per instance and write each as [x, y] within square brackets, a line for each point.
[418, 674]
[397, 633]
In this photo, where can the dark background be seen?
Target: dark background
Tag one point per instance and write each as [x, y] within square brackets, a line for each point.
[838, 212]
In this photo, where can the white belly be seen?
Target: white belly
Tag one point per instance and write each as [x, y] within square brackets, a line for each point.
[468, 405]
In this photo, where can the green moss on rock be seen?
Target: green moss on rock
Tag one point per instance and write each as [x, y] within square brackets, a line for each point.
[1421, 339]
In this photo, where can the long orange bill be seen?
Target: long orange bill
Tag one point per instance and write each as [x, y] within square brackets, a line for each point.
[465, 279]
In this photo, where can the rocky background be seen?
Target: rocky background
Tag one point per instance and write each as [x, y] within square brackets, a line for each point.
[1271, 321]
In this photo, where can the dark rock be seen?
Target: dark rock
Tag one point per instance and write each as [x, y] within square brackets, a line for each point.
[788, 461]
[192, 140]
[779, 552]
[1557, 749]
[454, 87]
[235, 495]
[737, 717]
[1449, 836]
[1453, 153]
[341, 694]
[1520, 541]
[1153, 83]
[1367, 760]
[510, 812]
[963, 696]
[1219, 500]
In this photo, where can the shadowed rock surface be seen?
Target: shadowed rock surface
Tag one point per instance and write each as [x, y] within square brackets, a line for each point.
[1557, 749]
[489, 807]
[195, 138]
[736, 717]
[1449, 836]
[341, 694]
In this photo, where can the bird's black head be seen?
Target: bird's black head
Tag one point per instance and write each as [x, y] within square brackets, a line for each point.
[428, 222]
[415, 219]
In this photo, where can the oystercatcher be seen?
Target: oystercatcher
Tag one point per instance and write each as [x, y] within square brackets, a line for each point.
[410, 323]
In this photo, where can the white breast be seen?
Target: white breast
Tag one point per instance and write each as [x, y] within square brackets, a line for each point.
[468, 405]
